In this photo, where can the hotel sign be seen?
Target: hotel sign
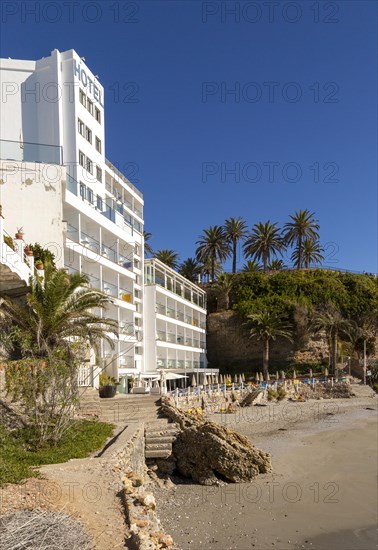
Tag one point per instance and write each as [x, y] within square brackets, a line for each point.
[88, 83]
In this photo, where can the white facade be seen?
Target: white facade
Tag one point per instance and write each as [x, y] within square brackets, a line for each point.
[52, 111]
[175, 321]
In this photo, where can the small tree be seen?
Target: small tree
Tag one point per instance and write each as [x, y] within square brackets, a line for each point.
[51, 334]
[267, 325]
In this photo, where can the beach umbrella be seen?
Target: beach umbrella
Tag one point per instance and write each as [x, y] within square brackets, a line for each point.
[267, 377]
[240, 379]
[294, 374]
[216, 379]
[221, 379]
[277, 375]
[326, 372]
[261, 377]
[257, 376]
[310, 373]
[282, 375]
[235, 379]
[194, 383]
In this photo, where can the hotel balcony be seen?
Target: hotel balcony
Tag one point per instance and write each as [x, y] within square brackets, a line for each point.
[108, 208]
[179, 364]
[92, 248]
[180, 316]
[189, 341]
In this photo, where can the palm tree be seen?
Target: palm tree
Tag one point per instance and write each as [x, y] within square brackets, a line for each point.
[190, 269]
[168, 257]
[276, 265]
[59, 310]
[225, 285]
[213, 246]
[334, 324]
[264, 241]
[267, 325]
[303, 226]
[251, 265]
[147, 247]
[235, 229]
[311, 253]
[205, 270]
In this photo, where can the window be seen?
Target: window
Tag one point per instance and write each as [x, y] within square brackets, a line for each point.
[98, 174]
[98, 144]
[88, 134]
[90, 195]
[136, 249]
[98, 115]
[99, 203]
[89, 165]
[80, 127]
[82, 97]
[90, 106]
[83, 191]
[81, 159]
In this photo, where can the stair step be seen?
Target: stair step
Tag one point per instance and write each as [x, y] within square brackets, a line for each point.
[158, 447]
[151, 440]
[157, 454]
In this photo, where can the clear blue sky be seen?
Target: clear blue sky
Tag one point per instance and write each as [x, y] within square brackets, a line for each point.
[181, 135]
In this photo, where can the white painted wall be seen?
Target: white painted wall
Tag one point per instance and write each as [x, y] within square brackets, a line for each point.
[31, 196]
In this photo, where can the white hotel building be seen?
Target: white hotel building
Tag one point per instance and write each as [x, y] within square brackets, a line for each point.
[87, 212]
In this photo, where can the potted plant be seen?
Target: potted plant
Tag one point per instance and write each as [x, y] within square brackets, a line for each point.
[19, 233]
[108, 385]
[38, 264]
[28, 251]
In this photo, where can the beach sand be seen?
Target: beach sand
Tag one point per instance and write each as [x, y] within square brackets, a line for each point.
[322, 493]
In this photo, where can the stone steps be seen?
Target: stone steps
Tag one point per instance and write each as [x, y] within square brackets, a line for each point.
[159, 436]
[158, 454]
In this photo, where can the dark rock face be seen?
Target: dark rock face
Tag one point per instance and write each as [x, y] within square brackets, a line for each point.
[228, 344]
[208, 452]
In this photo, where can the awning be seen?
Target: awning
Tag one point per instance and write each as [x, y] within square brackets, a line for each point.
[173, 376]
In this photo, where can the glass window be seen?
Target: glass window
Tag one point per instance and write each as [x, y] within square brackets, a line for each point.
[88, 134]
[81, 159]
[90, 195]
[98, 115]
[99, 203]
[90, 106]
[80, 127]
[89, 165]
[83, 191]
[98, 174]
[82, 97]
[98, 144]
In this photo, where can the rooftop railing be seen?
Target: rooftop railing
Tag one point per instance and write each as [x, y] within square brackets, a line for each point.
[25, 151]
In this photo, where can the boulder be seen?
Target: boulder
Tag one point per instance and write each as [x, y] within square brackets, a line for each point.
[209, 453]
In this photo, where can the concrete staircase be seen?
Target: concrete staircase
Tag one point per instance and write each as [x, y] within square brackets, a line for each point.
[159, 437]
[121, 409]
[362, 390]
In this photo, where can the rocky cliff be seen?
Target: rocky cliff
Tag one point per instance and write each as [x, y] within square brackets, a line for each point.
[228, 344]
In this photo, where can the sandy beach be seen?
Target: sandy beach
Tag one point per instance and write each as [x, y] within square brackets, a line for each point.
[322, 493]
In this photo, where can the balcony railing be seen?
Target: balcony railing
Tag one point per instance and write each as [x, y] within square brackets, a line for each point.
[123, 178]
[109, 211]
[24, 151]
[182, 340]
[179, 364]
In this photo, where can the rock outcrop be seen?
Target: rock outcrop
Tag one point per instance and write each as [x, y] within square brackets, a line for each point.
[210, 453]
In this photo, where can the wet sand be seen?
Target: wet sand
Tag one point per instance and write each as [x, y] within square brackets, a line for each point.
[322, 493]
